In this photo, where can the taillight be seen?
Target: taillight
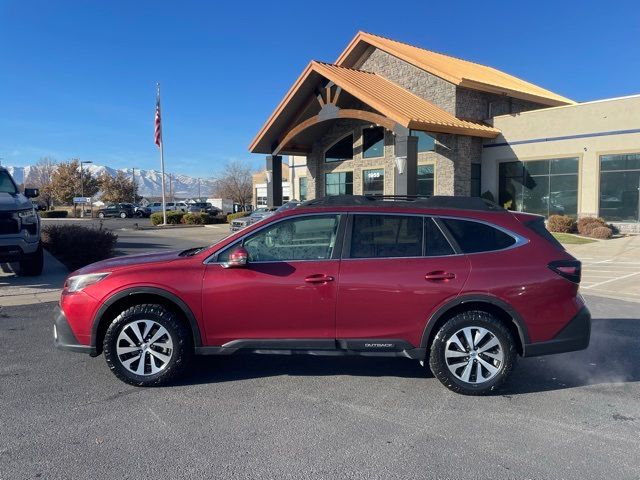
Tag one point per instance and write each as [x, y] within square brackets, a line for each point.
[569, 269]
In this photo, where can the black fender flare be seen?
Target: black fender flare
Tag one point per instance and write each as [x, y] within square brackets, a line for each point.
[184, 308]
[523, 332]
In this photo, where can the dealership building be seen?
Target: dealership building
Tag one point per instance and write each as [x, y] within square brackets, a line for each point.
[389, 118]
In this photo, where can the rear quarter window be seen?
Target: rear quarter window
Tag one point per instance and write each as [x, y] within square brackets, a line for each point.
[474, 237]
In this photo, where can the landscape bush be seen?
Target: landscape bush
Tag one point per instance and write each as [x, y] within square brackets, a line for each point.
[602, 233]
[54, 214]
[76, 246]
[173, 218]
[587, 224]
[561, 224]
[232, 216]
[198, 219]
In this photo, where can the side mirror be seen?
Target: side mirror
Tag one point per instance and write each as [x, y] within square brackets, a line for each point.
[238, 258]
[31, 192]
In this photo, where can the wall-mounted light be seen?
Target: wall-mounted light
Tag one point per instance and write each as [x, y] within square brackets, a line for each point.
[269, 175]
[401, 164]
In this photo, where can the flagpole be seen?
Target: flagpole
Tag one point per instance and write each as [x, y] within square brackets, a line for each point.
[164, 201]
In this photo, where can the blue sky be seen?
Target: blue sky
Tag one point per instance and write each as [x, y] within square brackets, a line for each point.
[77, 78]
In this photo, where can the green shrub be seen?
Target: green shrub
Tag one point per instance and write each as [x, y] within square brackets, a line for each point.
[76, 246]
[173, 218]
[488, 196]
[232, 216]
[198, 219]
[587, 224]
[54, 214]
[561, 224]
[601, 232]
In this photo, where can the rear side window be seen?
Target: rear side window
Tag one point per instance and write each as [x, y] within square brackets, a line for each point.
[539, 227]
[474, 237]
[437, 244]
[384, 236]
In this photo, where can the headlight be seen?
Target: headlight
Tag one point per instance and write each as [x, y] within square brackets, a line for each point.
[28, 216]
[78, 282]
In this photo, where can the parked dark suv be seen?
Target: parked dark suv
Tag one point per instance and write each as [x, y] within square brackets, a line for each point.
[456, 281]
[122, 210]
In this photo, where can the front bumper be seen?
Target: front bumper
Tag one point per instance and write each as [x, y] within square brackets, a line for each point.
[14, 247]
[574, 336]
[63, 337]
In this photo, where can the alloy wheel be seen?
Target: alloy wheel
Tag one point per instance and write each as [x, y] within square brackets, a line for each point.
[474, 355]
[144, 347]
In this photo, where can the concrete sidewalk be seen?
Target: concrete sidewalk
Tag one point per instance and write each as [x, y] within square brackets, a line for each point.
[610, 268]
[18, 290]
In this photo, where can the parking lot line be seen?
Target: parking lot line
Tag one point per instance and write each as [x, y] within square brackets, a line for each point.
[613, 280]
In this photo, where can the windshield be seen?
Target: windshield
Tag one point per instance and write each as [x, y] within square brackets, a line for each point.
[6, 183]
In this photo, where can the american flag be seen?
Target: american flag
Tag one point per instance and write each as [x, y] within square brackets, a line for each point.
[158, 122]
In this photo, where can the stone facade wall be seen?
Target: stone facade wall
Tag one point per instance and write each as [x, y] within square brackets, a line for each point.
[474, 105]
[417, 81]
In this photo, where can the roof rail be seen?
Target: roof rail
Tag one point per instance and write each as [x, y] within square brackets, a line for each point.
[408, 201]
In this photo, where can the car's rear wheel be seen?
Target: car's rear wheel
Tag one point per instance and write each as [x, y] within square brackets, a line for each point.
[101, 215]
[147, 345]
[473, 353]
[123, 215]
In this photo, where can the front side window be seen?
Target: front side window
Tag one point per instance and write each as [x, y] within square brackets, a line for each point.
[620, 187]
[425, 180]
[304, 238]
[6, 183]
[373, 182]
[373, 142]
[545, 187]
[339, 183]
[474, 237]
[426, 142]
[341, 150]
[384, 236]
[303, 188]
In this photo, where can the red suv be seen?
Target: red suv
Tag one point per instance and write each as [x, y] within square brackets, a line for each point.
[458, 281]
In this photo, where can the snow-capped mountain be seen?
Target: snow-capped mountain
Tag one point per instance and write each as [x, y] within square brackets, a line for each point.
[149, 181]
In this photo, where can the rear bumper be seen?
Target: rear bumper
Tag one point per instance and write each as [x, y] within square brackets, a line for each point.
[574, 336]
[63, 337]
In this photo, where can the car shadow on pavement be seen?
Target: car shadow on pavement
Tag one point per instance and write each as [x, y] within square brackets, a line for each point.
[613, 357]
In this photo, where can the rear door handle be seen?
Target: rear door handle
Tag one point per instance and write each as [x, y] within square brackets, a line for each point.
[439, 275]
[319, 278]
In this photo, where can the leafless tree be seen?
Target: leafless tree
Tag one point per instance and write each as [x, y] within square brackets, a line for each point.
[41, 177]
[235, 182]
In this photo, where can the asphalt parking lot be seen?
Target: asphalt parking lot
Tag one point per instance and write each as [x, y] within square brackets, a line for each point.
[65, 415]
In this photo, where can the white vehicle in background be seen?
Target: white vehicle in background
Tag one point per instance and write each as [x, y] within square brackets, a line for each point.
[181, 207]
[225, 205]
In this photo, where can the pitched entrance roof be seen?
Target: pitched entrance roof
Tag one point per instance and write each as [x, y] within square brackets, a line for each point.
[457, 71]
[394, 102]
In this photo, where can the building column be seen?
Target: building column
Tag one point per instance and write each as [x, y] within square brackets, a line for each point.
[274, 180]
[407, 182]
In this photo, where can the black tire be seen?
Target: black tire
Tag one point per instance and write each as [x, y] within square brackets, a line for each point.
[438, 361]
[31, 265]
[180, 337]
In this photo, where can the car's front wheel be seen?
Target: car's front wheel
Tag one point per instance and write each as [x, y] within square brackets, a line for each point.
[473, 353]
[101, 215]
[123, 215]
[147, 345]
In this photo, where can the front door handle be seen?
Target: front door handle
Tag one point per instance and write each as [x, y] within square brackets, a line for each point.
[439, 275]
[319, 278]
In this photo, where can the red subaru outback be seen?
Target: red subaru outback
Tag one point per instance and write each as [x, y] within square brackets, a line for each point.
[458, 281]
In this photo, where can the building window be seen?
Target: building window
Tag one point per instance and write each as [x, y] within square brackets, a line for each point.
[339, 183]
[545, 187]
[425, 180]
[373, 182]
[302, 187]
[426, 142]
[373, 142]
[620, 187]
[261, 201]
[476, 169]
[341, 150]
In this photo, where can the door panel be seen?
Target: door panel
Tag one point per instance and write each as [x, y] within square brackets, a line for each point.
[392, 298]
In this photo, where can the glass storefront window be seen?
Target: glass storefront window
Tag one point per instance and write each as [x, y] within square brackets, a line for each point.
[426, 142]
[620, 187]
[425, 180]
[302, 184]
[339, 183]
[373, 142]
[545, 187]
[373, 182]
[341, 150]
